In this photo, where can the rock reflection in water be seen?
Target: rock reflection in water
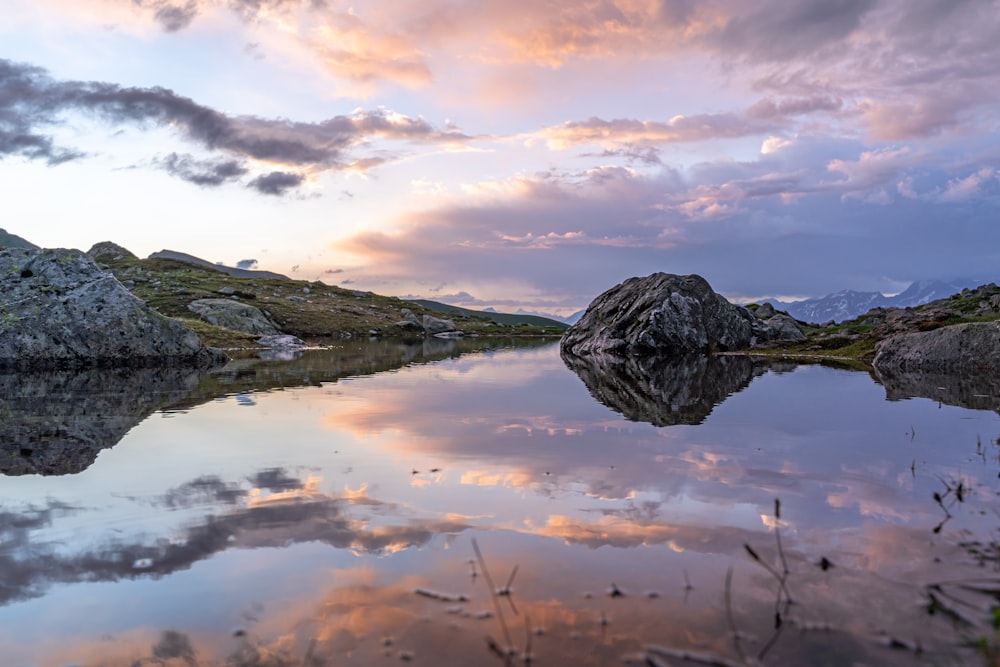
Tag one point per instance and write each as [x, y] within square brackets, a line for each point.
[55, 423]
[664, 390]
[976, 392]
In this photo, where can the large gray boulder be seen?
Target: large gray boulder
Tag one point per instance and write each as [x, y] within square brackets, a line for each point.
[58, 309]
[783, 327]
[662, 314]
[970, 347]
[235, 315]
[437, 325]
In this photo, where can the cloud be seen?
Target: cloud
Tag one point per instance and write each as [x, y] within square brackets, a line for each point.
[874, 168]
[631, 153]
[779, 31]
[636, 140]
[276, 182]
[175, 17]
[794, 106]
[812, 202]
[679, 129]
[889, 68]
[30, 99]
[208, 173]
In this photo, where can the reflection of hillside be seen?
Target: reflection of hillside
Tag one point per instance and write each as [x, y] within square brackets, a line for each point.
[664, 391]
[55, 423]
[349, 359]
[976, 392]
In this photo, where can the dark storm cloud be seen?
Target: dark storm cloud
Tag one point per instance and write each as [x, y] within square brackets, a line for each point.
[203, 172]
[18, 134]
[276, 183]
[30, 100]
[33, 146]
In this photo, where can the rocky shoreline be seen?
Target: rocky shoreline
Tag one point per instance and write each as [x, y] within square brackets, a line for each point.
[66, 309]
[666, 315]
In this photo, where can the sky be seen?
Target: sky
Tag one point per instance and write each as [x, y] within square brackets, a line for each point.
[513, 154]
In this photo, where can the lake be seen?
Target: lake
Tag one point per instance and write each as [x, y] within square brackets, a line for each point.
[480, 502]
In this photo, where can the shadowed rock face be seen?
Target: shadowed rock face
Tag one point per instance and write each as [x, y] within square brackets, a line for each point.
[58, 309]
[664, 391]
[56, 423]
[969, 348]
[661, 314]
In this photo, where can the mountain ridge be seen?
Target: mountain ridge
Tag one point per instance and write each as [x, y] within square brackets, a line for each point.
[848, 304]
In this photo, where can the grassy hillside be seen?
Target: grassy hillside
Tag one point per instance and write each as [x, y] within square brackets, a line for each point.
[508, 319]
[313, 311]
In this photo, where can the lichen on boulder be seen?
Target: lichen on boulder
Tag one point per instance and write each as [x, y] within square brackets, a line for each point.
[234, 315]
[58, 309]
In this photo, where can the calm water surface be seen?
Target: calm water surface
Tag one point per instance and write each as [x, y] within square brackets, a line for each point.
[326, 510]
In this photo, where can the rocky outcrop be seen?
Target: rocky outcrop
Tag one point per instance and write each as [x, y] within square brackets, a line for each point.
[280, 341]
[107, 250]
[662, 314]
[235, 315]
[664, 391]
[783, 327]
[58, 309]
[895, 321]
[437, 325]
[429, 324]
[8, 240]
[970, 347]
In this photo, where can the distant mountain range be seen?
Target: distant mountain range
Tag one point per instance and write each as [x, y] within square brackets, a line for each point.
[848, 304]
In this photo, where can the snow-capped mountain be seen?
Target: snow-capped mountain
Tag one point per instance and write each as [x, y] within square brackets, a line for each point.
[848, 304]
